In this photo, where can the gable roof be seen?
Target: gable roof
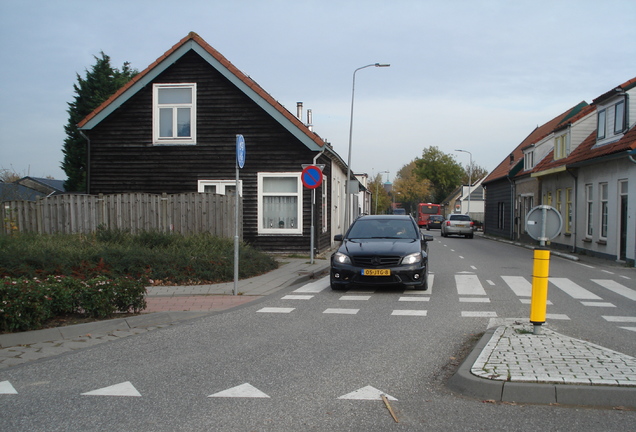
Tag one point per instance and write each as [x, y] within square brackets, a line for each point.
[509, 167]
[246, 84]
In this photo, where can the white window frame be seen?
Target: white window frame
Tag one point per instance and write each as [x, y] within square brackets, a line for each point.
[568, 210]
[220, 186]
[528, 160]
[561, 146]
[589, 207]
[603, 191]
[156, 138]
[264, 230]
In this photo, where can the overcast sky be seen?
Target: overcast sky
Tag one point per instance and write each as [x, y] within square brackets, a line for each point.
[473, 75]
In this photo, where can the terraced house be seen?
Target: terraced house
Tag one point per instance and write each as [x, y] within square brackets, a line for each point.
[583, 163]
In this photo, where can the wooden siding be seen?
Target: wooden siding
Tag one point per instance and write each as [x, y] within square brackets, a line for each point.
[498, 192]
[123, 158]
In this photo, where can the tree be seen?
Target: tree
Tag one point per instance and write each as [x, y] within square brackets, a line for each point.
[381, 202]
[477, 174]
[409, 189]
[100, 83]
[441, 170]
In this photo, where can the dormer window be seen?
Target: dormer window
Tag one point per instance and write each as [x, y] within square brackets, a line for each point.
[600, 128]
[174, 113]
[560, 147]
[619, 117]
[528, 160]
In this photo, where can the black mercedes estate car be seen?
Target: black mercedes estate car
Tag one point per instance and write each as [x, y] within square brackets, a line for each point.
[381, 250]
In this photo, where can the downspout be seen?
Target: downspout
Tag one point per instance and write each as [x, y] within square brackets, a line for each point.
[576, 201]
[88, 160]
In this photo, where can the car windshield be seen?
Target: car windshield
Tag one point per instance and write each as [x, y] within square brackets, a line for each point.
[383, 228]
[460, 217]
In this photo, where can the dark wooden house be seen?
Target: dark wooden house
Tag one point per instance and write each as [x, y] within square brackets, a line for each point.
[173, 129]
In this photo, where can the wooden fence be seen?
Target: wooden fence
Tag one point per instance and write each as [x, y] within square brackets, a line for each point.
[188, 213]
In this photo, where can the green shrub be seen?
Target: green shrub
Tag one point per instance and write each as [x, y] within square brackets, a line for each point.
[26, 303]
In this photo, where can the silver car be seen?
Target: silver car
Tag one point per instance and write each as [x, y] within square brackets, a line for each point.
[457, 224]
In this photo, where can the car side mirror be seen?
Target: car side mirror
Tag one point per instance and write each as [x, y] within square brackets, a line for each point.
[337, 237]
[427, 237]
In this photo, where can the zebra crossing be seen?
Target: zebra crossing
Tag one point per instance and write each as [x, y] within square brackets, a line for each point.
[471, 291]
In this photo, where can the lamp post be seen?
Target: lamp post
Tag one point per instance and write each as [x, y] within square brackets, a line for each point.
[347, 182]
[470, 176]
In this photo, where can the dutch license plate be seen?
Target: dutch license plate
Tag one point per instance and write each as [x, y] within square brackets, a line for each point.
[376, 272]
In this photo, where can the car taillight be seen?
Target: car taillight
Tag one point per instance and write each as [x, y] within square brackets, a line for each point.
[447, 223]
[472, 223]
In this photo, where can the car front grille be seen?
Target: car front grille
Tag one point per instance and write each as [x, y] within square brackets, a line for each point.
[376, 261]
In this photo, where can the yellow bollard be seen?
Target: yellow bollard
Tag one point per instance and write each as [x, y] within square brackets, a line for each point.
[539, 299]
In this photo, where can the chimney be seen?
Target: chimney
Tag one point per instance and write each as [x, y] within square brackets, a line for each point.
[299, 110]
[309, 120]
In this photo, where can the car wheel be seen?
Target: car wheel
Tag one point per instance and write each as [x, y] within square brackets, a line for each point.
[469, 236]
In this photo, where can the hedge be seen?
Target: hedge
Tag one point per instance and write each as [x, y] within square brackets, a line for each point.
[27, 303]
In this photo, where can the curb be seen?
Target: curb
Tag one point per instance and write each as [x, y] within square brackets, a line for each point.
[467, 384]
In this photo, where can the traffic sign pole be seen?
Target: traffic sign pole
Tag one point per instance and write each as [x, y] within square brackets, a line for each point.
[240, 162]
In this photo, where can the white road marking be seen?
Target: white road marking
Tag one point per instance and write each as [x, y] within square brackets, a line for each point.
[367, 393]
[275, 310]
[469, 285]
[314, 287]
[573, 290]
[414, 299]
[341, 311]
[528, 301]
[243, 391]
[474, 300]
[617, 288]
[619, 318]
[121, 389]
[473, 267]
[519, 285]
[557, 317]
[355, 297]
[406, 312]
[7, 388]
[629, 328]
[490, 282]
[297, 297]
[597, 304]
[472, 314]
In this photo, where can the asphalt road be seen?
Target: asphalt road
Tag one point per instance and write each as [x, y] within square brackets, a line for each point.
[305, 367]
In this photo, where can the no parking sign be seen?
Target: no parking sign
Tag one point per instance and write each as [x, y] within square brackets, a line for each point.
[311, 177]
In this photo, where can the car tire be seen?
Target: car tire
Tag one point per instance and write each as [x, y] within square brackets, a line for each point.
[469, 236]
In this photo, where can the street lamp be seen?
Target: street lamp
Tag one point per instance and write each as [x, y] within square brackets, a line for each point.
[470, 176]
[347, 191]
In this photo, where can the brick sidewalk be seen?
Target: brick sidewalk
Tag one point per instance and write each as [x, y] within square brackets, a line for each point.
[209, 303]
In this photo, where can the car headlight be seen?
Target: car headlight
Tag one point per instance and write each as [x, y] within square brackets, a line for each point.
[412, 259]
[341, 258]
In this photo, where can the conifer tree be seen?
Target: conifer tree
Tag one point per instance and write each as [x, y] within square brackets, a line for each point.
[99, 84]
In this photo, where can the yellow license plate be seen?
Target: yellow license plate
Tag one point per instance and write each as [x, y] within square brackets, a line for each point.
[460, 225]
[376, 272]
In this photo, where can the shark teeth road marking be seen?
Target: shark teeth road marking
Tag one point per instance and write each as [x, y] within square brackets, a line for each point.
[367, 393]
[243, 391]
[122, 389]
[7, 388]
